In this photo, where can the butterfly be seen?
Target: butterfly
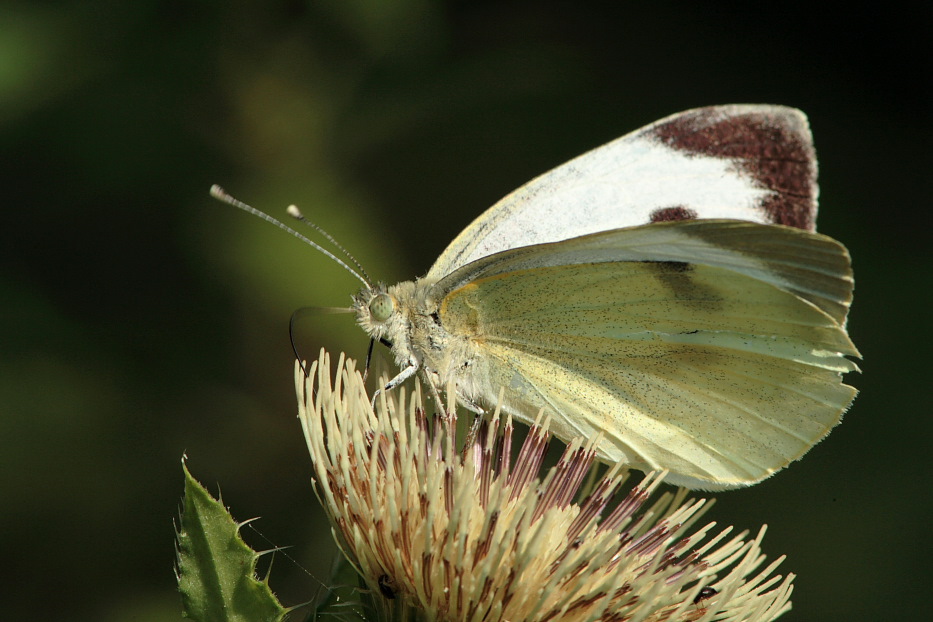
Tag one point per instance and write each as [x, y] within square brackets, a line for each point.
[666, 291]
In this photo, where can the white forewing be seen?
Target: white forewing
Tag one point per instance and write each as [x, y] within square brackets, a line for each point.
[633, 180]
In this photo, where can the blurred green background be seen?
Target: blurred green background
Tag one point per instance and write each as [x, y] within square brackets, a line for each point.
[141, 319]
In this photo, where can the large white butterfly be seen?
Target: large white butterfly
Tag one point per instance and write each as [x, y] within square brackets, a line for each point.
[667, 290]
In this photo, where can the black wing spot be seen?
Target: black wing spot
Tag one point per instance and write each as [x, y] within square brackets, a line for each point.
[670, 267]
[679, 278]
[668, 214]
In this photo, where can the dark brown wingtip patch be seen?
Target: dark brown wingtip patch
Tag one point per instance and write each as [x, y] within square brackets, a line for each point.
[772, 145]
[668, 214]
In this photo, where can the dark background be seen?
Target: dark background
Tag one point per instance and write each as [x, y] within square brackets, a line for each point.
[141, 319]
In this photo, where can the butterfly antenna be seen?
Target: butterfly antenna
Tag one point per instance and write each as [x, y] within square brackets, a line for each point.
[220, 194]
[295, 213]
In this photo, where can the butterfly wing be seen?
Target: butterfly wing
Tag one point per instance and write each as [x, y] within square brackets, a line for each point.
[747, 162]
[723, 369]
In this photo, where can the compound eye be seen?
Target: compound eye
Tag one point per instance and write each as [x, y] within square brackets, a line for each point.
[381, 307]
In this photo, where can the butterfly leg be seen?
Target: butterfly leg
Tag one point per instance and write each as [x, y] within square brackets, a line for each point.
[472, 406]
[470, 440]
[402, 376]
[479, 414]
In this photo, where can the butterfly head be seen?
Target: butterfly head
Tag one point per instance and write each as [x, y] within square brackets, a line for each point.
[376, 311]
[399, 317]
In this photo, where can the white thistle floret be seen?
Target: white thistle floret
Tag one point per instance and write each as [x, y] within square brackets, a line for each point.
[470, 535]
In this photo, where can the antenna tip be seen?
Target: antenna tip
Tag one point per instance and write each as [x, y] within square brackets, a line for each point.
[294, 212]
[217, 192]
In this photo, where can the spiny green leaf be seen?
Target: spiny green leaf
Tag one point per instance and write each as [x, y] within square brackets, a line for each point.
[216, 569]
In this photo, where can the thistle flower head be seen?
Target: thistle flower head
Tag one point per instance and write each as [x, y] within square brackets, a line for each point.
[475, 533]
